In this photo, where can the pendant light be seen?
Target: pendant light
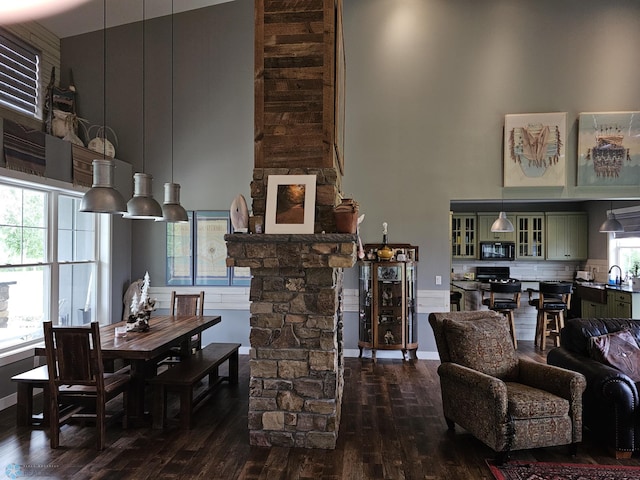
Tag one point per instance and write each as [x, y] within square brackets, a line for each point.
[143, 206]
[102, 197]
[172, 211]
[611, 224]
[502, 223]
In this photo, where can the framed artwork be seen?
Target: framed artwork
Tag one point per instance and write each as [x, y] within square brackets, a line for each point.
[240, 276]
[291, 201]
[211, 249]
[608, 149]
[534, 150]
[179, 252]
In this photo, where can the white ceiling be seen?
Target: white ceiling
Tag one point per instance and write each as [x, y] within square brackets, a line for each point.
[89, 16]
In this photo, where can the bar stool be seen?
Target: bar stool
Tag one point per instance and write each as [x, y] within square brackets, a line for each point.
[454, 299]
[505, 304]
[554, 298]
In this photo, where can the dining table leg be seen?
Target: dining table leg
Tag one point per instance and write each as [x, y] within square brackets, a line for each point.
[141, 370]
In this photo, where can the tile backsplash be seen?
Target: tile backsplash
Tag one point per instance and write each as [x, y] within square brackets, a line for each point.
[535, 271]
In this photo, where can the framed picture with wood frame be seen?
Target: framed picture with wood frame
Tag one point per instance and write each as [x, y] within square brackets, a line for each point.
[291, 201]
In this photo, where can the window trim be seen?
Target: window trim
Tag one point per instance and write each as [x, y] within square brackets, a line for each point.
[103, 227]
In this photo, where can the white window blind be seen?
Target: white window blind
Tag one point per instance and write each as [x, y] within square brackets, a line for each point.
[19, 75]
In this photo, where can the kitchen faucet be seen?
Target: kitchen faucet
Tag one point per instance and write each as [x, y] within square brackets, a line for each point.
[619, 277]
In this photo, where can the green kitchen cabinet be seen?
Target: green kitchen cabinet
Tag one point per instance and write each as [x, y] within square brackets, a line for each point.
[567, 236]
[530, 236]
[463, 236]
[591, 309]
[485, 220]
[623, 304]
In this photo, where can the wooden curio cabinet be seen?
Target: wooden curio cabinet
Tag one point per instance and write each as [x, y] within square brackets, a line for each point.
[387, 313]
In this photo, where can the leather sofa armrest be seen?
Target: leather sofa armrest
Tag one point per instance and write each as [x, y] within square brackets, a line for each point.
[603, 381]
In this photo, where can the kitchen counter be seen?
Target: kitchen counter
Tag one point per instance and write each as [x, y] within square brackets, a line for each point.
[625, 287]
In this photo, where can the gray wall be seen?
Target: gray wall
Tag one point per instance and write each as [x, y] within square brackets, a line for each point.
[212, 108]
[428, 85]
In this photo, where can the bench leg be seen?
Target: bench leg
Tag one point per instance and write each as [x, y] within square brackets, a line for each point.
[233, 368]
[24, 405]
[214, 377]
[186, 407]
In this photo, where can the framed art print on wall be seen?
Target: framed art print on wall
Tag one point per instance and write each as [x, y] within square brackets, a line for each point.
[291, 201]
[609, 149]
[180, 252]
[534, 150]
[211, 249]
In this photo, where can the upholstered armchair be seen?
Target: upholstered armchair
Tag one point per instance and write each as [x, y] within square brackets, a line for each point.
[507, 402]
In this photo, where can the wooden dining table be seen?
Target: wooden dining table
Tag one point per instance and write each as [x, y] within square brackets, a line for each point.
[142, 350]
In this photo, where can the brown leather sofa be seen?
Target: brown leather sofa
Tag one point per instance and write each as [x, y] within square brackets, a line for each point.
[611, 405]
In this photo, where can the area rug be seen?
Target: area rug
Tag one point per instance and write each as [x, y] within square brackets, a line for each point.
[562, 471]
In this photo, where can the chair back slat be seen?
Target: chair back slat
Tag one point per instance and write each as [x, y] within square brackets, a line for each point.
[73, 355]
[187, 303]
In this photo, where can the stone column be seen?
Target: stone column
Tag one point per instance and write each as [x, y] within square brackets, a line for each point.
[296, 335]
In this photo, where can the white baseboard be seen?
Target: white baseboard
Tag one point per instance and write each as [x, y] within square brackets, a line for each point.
[355, 353]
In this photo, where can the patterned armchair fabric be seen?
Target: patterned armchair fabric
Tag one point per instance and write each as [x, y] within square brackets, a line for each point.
[507, 402]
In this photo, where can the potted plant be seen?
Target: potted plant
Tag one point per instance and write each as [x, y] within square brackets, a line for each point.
[635, 279]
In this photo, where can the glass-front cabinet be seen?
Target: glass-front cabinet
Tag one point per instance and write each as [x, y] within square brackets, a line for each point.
[530, 235]
[463, 235]
[387, 314]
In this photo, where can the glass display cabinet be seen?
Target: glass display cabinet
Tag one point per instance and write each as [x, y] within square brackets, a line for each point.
[387, 307]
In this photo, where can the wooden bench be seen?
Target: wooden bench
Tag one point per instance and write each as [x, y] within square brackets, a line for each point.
[35, 378]
[184, 376]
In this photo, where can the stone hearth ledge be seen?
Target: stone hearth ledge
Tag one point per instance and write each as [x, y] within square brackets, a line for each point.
[336, 250]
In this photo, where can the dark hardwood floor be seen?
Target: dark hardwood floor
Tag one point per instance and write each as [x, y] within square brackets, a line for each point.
[391, 428]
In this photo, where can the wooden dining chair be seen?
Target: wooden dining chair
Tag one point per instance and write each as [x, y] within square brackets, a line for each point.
[189, 304]
[185, 304]
[78, 385]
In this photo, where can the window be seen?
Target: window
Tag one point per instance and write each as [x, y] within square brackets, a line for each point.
[19, 75]
[47, 262]
[624, 247]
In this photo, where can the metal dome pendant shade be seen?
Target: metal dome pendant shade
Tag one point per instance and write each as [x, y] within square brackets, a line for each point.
[143, 206]
[611, 224]
[102, 197]
[502, 224]
[172, 211]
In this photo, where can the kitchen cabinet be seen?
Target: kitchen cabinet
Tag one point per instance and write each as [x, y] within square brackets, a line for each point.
[566, 236]
[530, 236]
[623, 304]
[484, 230]
[592, 309]
[463, 235]
[387, 307]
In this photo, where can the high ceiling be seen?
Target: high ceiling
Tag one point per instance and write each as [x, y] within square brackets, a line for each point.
[89, 16]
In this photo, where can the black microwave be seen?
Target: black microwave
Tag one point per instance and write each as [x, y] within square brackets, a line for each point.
[497, 251]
